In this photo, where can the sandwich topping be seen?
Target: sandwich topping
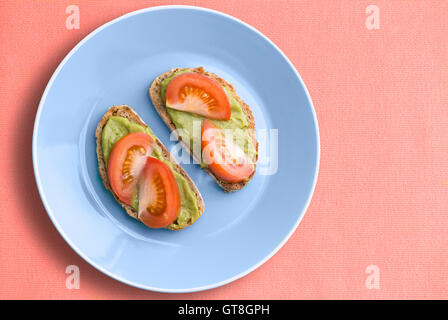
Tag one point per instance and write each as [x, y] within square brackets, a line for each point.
[158, 195]
[159, 198]
[189, 108]
[143, 177]
[196, 93]
[225, 159]
[127, 160]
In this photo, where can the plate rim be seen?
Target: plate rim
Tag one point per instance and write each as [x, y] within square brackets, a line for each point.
[60, 229]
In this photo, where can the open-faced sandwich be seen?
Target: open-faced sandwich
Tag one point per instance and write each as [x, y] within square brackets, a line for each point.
[205, 111]
[142, 175]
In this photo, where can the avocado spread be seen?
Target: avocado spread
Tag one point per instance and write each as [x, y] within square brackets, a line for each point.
[237, 123]
[114, 130]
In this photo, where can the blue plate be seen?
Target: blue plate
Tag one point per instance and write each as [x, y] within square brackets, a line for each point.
[115, 64]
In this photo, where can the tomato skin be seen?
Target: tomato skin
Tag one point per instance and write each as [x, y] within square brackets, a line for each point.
[159, 197]
[197, 93]
[225, 159]
[126, 160]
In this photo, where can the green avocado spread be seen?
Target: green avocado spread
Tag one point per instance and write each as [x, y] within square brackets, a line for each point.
[118, 127]
[190, 124]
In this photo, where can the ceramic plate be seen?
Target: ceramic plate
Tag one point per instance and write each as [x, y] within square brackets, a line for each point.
[116, 64]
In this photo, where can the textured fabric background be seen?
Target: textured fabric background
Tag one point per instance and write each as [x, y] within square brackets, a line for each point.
[382, 194]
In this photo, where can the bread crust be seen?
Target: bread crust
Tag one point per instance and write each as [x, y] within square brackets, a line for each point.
[159, 105]
[128, 113]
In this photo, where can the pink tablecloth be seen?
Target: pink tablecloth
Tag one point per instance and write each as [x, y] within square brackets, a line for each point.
[382, 195]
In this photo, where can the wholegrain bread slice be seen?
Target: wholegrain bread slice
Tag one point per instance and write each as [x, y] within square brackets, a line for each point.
[159, 105]
[128, 113]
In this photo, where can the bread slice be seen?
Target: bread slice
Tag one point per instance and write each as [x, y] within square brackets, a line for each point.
[159, 105]
[127, 112]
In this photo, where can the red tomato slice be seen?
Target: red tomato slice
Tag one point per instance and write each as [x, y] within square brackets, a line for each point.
[224, 158]
[196, 93]
[159, 198]
[127, 159]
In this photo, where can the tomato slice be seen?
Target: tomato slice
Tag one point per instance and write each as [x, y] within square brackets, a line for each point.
[127, 159]
[224, 158]
[196, 93]
[159, 198]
